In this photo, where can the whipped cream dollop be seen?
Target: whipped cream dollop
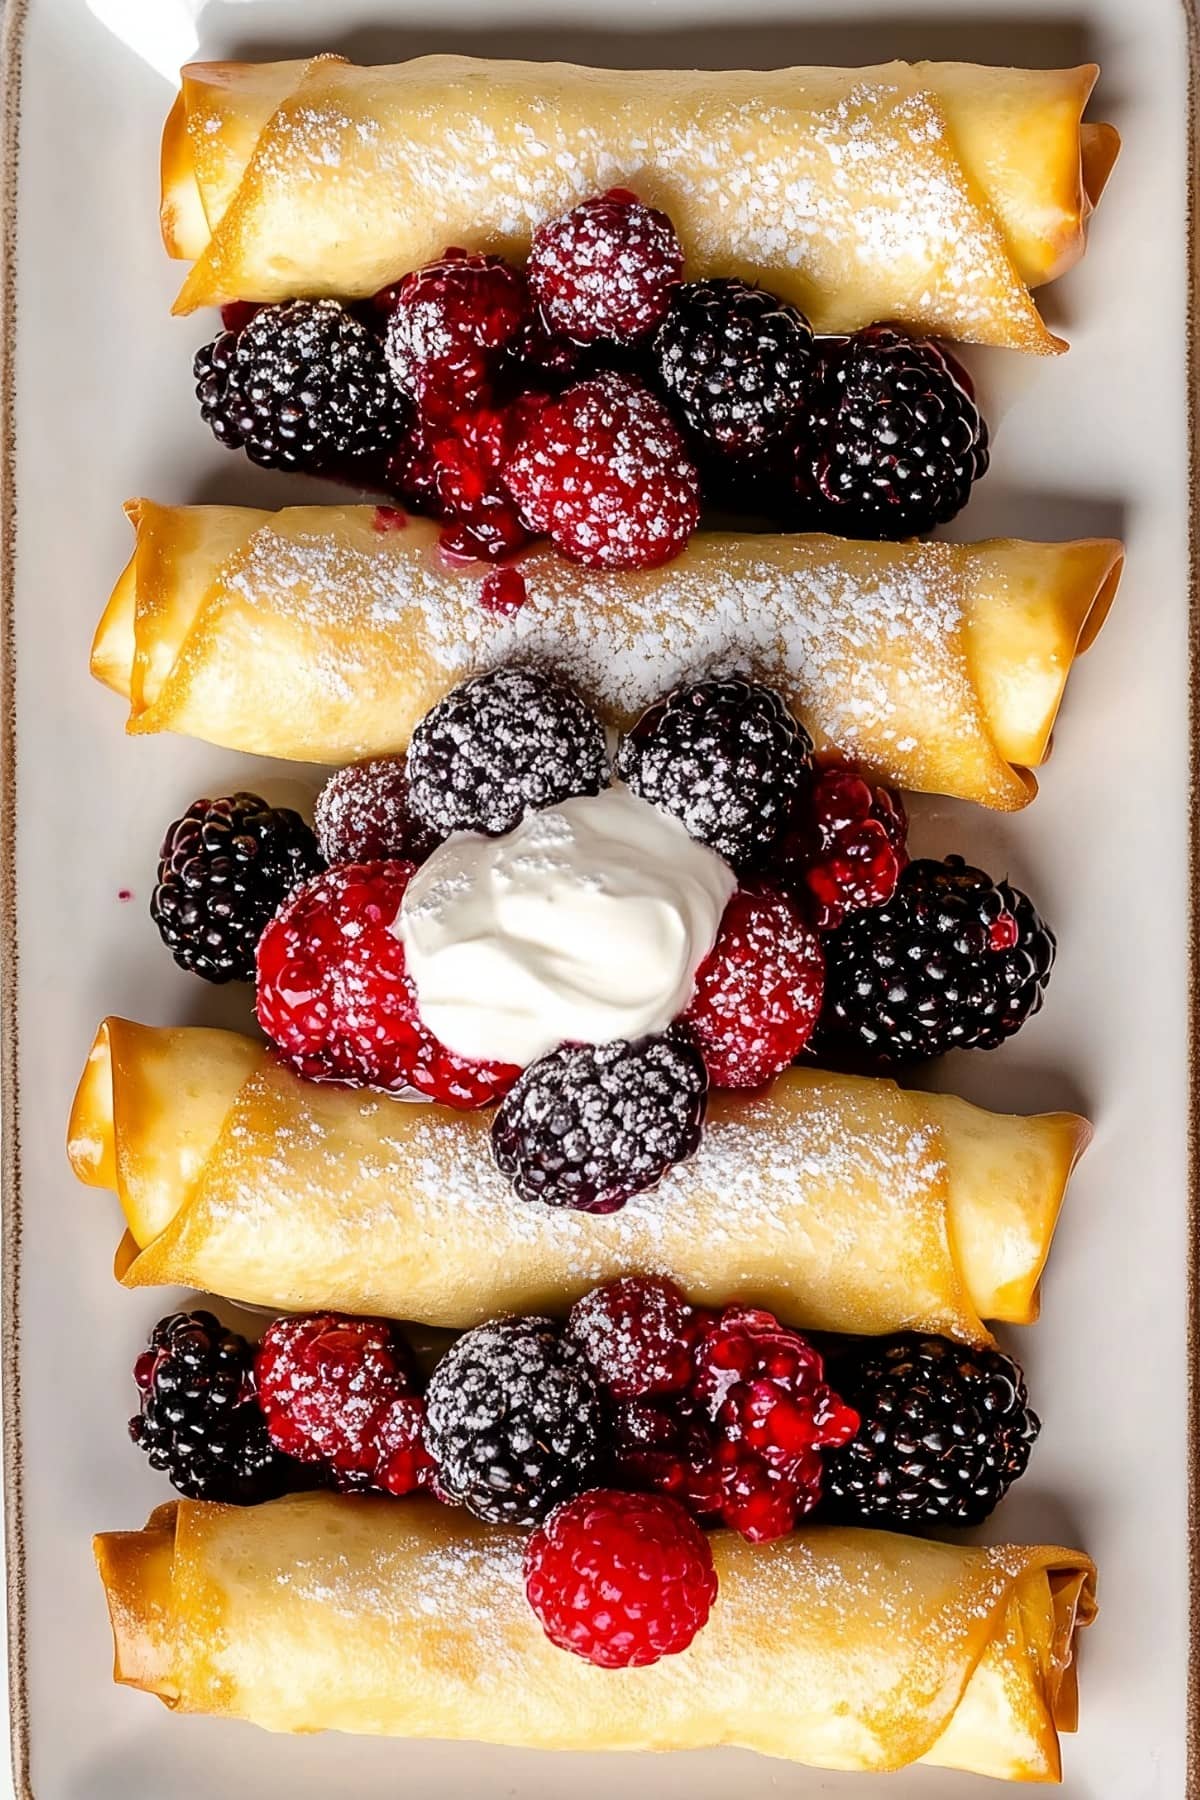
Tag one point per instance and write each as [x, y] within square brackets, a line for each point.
[584, 924]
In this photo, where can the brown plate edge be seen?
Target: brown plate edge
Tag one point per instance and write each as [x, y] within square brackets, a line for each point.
[15, 13]
[11, 46]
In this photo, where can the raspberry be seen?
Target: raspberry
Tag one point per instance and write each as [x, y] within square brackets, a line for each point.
[620, 1579]
[893, 439]
[335, 995]
[500, 745]
[762, 1387]
[605, 270]
[742, 1443]
[637, 1335]
[603, 471]
[449, 323]
[758, 993]
[342, 1392]
[363, 815]
[450, 466]
[727, 759]
[589, 1126]
[848, 854]
[736, 361]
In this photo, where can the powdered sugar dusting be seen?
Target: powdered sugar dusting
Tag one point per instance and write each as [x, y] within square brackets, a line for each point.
[845, 186]
[868, 643]
[828, 1204]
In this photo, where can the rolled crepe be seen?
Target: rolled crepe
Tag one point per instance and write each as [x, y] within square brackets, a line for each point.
[323, 634]
[842, 1648]
[932, 194]
[845, 1204]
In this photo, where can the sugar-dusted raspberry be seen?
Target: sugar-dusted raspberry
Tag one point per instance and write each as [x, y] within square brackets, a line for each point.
[605, 270]
[620, 1579]
[762, 1388]
[334, 992]
[342, 1392]
[758, 992]
[851, 848]
[449, 323]
[604, 472]
[363, 815]
[637, 1333]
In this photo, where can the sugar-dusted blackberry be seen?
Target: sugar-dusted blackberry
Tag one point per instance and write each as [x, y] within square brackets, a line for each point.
[199, 1419]
[512, 1421]
[892, 441]
[946, 1430]
[727, 759]
[363, 814]
[302, 386]
[224, 870]
[501, 745]
[953, 961]
[736, 362]
[590, 1125]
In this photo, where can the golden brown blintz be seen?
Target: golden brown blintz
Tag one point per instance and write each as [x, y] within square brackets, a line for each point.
[314, 634]
[842, 1648]
[842, 1203]
[935, 195]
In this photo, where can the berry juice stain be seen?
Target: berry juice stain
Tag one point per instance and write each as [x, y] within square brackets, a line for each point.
[389, 518]
[124, 894]
[503, 591]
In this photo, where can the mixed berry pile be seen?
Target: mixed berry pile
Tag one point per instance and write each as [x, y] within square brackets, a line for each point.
[834, 942]
[616, 1438]
[597, 399]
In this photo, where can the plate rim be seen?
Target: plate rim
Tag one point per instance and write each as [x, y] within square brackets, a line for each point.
[14, 16]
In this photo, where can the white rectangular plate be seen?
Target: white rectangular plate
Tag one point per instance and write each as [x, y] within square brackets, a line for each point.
[99, 393]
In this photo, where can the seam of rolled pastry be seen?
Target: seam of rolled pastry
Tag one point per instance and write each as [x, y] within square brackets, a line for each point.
[838, 1647]
[988, 169]
[310, 634]
[843, 1203]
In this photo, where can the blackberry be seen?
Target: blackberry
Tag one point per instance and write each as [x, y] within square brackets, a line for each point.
[945, 1432]
[736, 362]
[225, 868]
[953, 961]
[499, 746]
[892, 440]
[512, 1421]
[303, 386]
[199, 1418]
[728, 760]
[590, 1125]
